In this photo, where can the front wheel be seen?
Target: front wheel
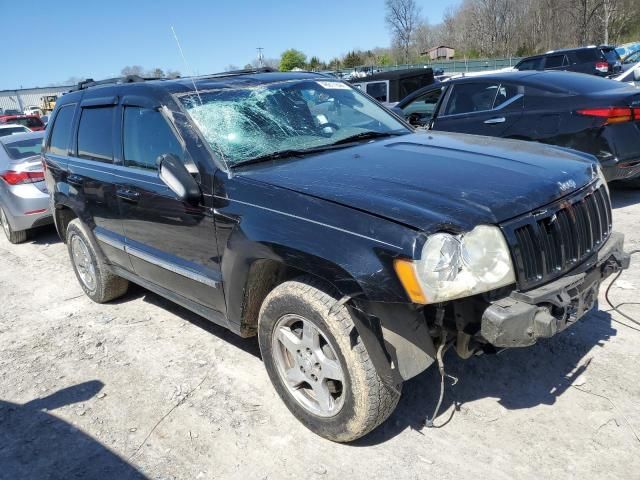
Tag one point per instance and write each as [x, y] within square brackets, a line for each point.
[318, 365]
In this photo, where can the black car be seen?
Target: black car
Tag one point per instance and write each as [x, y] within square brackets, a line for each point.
[293, 207]
[394, 85]
[586, 113]
[601, 60]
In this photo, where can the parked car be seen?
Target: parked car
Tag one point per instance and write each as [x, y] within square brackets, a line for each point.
[583, 112]
[355, 248]
[390, 87]
[24, 201]
[627, 49]
[32, 122]
[630, 61]
[601, 60]
[33, 110]
[12, 129]
[10, 111]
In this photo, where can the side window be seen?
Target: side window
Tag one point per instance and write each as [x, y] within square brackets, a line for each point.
[420, 111]
[95, 134]
[504, 94]
[378, 90]
[472, 97]
[61, 133]
[531, 64]
[146, 136]
[556, 61]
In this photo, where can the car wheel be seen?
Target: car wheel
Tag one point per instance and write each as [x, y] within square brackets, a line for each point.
[319, 368]
[13, 236]
[92, 273]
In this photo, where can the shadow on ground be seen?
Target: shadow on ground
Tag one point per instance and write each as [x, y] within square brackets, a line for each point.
[624, 196]
[516, 378]
[35, 444]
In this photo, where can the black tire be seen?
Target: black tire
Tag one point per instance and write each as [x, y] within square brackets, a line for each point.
[367, 400]
[13, 236]
[106, 286]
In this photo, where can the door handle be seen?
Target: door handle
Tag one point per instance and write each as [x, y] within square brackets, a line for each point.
[75, 180]
[128, 195]
[493, 121]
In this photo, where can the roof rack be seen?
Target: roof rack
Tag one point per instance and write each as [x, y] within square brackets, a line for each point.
[244, 71]
[90, 82]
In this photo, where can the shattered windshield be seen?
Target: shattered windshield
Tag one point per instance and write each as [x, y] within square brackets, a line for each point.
[248, 123]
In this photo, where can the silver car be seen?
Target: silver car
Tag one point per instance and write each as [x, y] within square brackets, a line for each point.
[24, 201]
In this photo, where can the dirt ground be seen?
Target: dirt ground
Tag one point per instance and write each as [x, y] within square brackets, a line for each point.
[143, 388]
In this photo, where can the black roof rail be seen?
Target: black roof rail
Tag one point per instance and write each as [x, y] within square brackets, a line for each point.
[90, 82]
[244, 71]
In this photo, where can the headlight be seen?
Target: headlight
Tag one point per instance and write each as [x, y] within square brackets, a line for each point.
[456, 266]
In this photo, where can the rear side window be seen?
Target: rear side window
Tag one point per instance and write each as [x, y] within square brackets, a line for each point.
[472, 97]
[95, 134]
[530, 64]
[556, 61]
[378, 90]
[59, 143]
[611, 55]
[585, 56]
[146, 136]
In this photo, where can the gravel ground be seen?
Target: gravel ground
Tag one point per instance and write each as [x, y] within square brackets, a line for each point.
[143, 388]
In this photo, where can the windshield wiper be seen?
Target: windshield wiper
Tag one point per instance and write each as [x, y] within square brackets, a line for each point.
[366, 136]
[282, 154]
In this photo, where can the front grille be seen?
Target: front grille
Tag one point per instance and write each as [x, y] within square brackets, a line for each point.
[548, 243]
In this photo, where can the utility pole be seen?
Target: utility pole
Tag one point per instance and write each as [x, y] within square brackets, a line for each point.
[260, 57]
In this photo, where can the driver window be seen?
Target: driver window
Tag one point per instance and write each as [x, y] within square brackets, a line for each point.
[146, 136]
[420, 111]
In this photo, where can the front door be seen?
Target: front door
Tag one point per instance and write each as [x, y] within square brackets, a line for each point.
[170, 243]
[481, 108]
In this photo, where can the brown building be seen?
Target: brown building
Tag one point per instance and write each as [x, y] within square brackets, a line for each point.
[440, 53]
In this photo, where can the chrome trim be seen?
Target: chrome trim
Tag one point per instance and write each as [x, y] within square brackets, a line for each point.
[109, 240]
[184, 272]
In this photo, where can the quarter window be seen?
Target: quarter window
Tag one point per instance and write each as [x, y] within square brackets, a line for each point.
[95, 134]
[61, 133]
[147, 135]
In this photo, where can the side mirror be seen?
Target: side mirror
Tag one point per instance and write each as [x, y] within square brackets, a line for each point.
[176, 176]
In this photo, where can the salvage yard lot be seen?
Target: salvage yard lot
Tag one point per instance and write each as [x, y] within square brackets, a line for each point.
[142, 388]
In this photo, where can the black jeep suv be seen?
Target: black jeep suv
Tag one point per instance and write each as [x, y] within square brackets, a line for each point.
[294, 207]
[601, 60]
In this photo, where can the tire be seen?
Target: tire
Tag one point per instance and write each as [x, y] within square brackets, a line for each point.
[92, 272]
[361, 401]
[19, 236]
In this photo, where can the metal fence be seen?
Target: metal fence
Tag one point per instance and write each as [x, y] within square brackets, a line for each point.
[19, 99]
[455, 66]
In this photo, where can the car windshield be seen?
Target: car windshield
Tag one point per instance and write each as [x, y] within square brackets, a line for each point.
[23, 148]
[248, 123]
[30, 122]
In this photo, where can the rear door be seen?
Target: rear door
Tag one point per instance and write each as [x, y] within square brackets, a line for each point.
[170, 243]
[90, 175]
[481, 107]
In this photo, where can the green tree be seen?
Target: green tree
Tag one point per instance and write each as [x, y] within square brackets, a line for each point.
[291, 59]
[314, 64]
[352, 59]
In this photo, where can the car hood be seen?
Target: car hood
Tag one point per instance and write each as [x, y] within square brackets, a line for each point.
[435, 180]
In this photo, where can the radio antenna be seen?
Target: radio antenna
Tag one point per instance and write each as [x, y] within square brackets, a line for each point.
[186, 65]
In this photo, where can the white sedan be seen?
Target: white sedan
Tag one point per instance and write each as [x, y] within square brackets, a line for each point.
[10, 129]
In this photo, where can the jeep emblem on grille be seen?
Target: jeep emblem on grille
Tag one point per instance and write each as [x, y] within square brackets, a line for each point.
[568, 185]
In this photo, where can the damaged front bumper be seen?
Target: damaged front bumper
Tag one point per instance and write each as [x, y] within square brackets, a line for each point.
[520, 319]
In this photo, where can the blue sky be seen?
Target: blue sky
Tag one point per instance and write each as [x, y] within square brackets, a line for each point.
[97, 39]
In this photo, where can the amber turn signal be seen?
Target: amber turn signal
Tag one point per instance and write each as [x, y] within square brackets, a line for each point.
[406, 271]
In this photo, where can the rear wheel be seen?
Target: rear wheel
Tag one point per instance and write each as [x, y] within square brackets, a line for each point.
[92, 272]
[318, 364]
[13, 236]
